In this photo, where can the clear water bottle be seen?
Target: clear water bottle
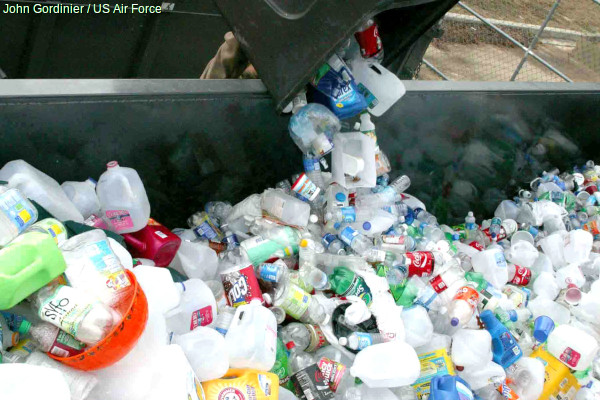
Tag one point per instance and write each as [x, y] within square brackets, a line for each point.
[358, 242]
[390, 195]
[333, 244]
[361, 340]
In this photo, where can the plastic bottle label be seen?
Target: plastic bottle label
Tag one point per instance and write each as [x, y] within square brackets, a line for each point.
[201, 317]
[119, 219]
[269, 272]
[16, 209]
[104, 260]
[241, 286]
[348, 214]
[310, 384]
[570, 357]
[347, 235]
[476, 245]
[306, 188]
[421, 263]
[297, 302]
[500, 260]
[522, 276]
[327, 239]
[368, 95]
[332, 371]
[468, 294]
[364, 340]
[438, 284]
[207, 229]
[66, 345]
[369, 41]
[317, 338]
[65, 309]
[359, 288]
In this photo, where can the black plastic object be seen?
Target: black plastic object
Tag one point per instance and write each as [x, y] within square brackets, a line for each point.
[288, 40]
[340, 329]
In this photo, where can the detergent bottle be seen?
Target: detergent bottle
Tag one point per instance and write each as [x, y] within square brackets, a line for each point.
[243, 384]
[504, 346]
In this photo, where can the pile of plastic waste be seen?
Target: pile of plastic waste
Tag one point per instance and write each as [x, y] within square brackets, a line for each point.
[337, 284]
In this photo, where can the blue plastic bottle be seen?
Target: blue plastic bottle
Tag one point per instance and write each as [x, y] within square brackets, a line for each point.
[448, 387]
[504, 346]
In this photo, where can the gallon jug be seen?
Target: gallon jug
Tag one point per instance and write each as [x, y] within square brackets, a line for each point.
[83, 196]
[198, 307]
[123, 200]
[40, 187]
[16, 214]
[572, 346]
[154, 242]
[26, 264]
[174, 378]
[195, 258]
[206, 351]
[448, 387]
[252, 337]
[240, 384]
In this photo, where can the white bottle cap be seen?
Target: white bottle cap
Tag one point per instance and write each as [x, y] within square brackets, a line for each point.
[343, 341]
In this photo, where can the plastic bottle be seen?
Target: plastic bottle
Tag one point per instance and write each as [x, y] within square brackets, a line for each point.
[196, 259]
[204, 226]
[281, 368]
[285, 208]
[360, 340]
[345, 282]
[75, 312]
[92, 265]
[83, 196]
[367, 127]
[155, 242]
[463, 305]
[572, 346]
[206, 351]
[306, 337]
[391, 194]
[197, 307]
[252, 337]
[518, 275]
[28, 263]
[359, 243]
[312, 129]
[16, 214]
[55, 341]
[448, 387]
[123, 200]
[369, 41]
[299, 305]
[504, 346]
[218, 210]
[223, 320]
[41, 188]
[492, 264]
[239, 281]
[8, 338]
[306, 375]
[333, 244]
[51, 226]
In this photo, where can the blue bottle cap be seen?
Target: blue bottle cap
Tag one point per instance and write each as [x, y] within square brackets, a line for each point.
[340, 196]
[454, 321]
[337, 225]
[367, 226]
[512, 314]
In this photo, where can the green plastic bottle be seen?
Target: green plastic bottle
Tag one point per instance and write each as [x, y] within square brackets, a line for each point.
[281, 368]
[346, 283]
[28, 263]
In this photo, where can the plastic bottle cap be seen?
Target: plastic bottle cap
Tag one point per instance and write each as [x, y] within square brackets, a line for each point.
[340, 196]
[92, 180]
[290, 345]
[343, 341]
[267, 298]
[454, 321]
[25, 327]
[337, 225]
[112, 164]
[367, 226]
[512, 314]
[304, 243]
[313, 218]
[15, 338]
[328, 216]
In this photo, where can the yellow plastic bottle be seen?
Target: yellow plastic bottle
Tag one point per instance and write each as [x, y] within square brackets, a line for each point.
[243, 384]
[559, 383]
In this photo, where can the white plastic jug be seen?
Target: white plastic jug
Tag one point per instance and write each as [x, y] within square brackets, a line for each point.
[286, 208]
[252, 337]
[123, 201]
[353, 160]
[174, 378]
[385, 365]
[471, 348]
[83, 196]
[198, 307]
[572, 346]
[206, 351]
[40, 187]
[195, 258]
[380, 87]
[417, 325]
[492, 264]
[24, 381]
[479, 377]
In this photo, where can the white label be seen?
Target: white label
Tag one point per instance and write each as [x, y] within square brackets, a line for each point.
[66, 309]
[161, 235]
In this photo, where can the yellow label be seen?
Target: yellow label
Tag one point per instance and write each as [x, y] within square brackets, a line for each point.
[559, 383]
[243, 384]
[25, 216]
[432, 364]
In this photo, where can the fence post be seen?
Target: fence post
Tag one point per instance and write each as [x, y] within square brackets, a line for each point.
[535, 39]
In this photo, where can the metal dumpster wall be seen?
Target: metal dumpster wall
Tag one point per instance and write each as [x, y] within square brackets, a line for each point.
[194, 141]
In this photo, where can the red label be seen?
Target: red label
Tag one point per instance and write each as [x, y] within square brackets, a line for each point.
[66, 345]
[317, 338]
[201, 317]
[231, 393]
[241, 286]
[501, 235]
[369, 41]
[522, 276]
[570, 357]
[476, 245]
[332, 372]
[438, 284]
[421, 263]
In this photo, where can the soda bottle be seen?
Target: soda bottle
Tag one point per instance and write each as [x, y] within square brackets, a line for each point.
[307, 337]
[369, 41]
[345, 282]
[463, 305]
[309, 382]
[281, 366]
[299, 304]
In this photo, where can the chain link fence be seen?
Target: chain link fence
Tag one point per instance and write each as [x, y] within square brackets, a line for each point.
[520, 40]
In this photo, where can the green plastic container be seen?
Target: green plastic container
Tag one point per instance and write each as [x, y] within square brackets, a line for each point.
[28, 263]
[346, 283]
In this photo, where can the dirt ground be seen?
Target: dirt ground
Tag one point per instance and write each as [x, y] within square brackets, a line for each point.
[472, 53]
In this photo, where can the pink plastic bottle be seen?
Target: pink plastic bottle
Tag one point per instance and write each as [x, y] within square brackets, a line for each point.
[155, 242]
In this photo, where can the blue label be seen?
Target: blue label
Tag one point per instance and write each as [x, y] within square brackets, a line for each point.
[364, 340]
[500, 260]
[327, 239]
[17, 209]
[348, 214]
[205, 230]
[348, 235]
[269, 272]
